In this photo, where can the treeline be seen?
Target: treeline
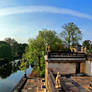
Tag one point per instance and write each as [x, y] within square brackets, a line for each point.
[34, 55]
[10, 49]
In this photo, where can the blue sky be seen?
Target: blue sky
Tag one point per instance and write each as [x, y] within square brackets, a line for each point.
[22, 19]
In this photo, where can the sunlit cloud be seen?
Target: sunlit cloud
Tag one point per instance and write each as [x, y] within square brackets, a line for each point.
[41, 9]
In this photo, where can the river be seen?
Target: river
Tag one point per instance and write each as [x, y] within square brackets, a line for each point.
[10, 75]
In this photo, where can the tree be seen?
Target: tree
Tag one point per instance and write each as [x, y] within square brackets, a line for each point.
[50, 37]
[14, 46]
[37, 48]
[71, 34]
[86, 43]
[21, 49]
[17, 48]
[5, 51]
[10, 41]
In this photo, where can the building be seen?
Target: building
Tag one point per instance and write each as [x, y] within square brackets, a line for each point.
[66, 64]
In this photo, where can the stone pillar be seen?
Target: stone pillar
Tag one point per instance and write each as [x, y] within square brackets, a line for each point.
[46, 74]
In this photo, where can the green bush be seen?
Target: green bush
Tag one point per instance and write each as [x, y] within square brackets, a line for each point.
[42, 73]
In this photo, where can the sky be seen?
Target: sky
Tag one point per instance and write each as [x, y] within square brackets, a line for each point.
[23, 19]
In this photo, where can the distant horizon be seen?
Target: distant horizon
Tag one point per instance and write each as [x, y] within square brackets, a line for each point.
[23, 20]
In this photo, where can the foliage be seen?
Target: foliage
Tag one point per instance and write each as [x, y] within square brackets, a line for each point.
[50, 37]
[37, 48]
[17, 49]
[87, 44]
[23, 66]
[5, 51]
[21, 49]
[14, 46]
[42, 73]
[71, 34]
[89, 49]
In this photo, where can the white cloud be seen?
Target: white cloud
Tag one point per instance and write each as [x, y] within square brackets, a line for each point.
[48, 9]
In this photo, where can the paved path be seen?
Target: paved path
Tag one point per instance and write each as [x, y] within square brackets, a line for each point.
[31, 85]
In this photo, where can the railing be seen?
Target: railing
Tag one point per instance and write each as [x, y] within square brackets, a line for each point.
[52, 83]
[61, 54]
[20, 85]
[52, 78]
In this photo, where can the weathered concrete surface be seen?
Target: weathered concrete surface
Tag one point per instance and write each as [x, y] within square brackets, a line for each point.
[63, 68]
[33, 85]
[30, 86]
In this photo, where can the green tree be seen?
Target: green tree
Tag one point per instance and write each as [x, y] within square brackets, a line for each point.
[21, 49]
[5, 51]
[17, 48]
[71, 34]
[90, 49]
[51, 38]
[37, 48]
[14, 46]
[87, 44]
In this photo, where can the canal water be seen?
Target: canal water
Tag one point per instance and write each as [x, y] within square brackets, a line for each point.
[10, 75]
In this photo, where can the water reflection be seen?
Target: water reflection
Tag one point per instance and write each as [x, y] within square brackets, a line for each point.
[11, 75]
[8, 69]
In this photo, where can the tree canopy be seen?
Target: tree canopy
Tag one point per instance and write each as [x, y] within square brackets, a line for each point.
[37, 47]
[71, 34]
[50, 37]
[17, 48]
[86, 43]
[14, 45]
[5, 51]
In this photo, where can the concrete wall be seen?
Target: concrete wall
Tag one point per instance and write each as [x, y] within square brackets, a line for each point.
[82, 67]
[63, 68]
[67, 68]
[86, 68]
